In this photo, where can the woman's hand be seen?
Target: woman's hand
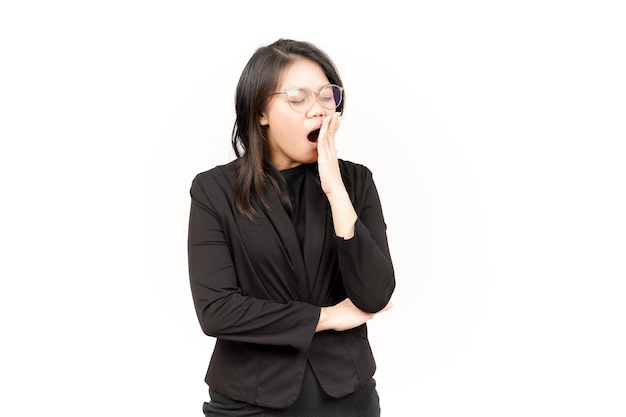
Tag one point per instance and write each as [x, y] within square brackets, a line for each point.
[344, 316]
[344, 216]
[327, 161]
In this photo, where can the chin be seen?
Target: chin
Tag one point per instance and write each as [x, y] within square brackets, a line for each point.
[311, 159]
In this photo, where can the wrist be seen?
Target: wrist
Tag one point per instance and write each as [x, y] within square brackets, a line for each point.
[338, 196]
[322, 323]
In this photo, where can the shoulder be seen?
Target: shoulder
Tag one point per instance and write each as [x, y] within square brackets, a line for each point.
[218, 174]
[357, 172]
[358, 180]
[213, 182]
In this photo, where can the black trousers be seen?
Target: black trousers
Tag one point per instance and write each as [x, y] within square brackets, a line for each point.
[312, 402]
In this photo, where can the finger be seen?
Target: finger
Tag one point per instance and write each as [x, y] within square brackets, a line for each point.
[330, 125]
[333, 125]
[325, 145]
[324, 129]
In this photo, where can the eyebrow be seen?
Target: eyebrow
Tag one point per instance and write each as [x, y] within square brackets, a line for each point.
[308, 88]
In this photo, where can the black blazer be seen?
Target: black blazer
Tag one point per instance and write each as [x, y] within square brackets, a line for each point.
[255, 291]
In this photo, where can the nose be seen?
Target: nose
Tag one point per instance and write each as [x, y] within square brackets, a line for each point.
[316, 108]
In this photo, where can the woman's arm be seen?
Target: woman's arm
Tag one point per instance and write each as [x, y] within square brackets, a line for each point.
[221, 308]
[344, 316]
[341, 207]
[364, 258]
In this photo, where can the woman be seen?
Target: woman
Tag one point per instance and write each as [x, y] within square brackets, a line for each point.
[288, 254]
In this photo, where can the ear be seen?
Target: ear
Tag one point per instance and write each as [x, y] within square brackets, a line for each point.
[263, 119]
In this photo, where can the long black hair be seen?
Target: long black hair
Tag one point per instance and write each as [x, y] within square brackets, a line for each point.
[257, 82]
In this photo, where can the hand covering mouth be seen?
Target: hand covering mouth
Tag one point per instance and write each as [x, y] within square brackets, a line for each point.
[312, 137]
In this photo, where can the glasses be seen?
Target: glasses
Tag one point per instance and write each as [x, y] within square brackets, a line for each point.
[301, 99]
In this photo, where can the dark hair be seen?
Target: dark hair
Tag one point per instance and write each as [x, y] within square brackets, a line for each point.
[258, 80]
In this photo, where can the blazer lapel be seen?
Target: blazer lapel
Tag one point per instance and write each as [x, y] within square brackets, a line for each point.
[283, 226]
[316, 225]
[317, 228]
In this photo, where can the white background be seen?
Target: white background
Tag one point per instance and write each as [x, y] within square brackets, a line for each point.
[495, 131]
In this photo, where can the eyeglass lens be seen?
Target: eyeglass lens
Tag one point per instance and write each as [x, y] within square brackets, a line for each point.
[301, 99]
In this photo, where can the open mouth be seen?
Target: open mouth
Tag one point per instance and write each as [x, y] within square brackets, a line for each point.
[312, 137]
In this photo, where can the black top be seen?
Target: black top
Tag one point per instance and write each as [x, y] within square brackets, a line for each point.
[295, 185]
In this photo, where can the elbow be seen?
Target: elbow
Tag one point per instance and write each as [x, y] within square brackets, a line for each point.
[210, 317]
[208, 324]
[372, 306]
[376, 299]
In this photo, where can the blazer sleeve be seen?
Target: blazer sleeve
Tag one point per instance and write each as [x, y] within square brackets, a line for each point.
[364, 260]
[222, 310]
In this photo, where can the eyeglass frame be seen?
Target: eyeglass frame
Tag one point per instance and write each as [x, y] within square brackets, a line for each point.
[313, 93]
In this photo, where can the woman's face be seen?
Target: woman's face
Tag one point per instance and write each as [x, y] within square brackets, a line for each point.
[287, 130]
